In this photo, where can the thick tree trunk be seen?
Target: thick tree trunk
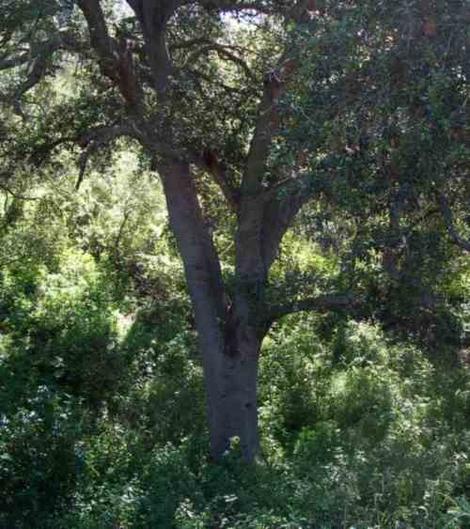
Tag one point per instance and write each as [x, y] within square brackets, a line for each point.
[228, 341]
[234, 405]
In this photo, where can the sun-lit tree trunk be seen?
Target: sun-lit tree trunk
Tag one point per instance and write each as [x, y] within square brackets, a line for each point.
[234, 407]
[229, 337]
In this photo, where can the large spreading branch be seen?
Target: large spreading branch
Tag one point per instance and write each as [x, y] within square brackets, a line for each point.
[255, 225]
[267, 121]
[38, 59]
[64, 40]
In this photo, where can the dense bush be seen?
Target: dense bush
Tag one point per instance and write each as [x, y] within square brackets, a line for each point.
[103, 421]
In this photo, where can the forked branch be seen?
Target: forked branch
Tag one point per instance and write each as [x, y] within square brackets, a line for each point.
[96, 139]
[115, 58]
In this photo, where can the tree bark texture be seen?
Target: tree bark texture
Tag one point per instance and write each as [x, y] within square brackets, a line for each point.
[228, 340]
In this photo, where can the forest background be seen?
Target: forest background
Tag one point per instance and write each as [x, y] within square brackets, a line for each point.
[192, 187]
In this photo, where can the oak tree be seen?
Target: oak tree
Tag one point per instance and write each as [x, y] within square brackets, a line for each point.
[277, 104]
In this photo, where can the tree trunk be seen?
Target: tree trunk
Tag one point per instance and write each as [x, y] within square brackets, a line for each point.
[228, 341]
[234, 404]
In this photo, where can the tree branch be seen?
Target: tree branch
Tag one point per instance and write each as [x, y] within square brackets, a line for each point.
[322, 303]
[283, 203]
[16, 195]
[219, 173]
[224, 51]
[153, 16]
[95, 139]
[197, 75]
[37, 72]
[450, 224]
[12, 62]
[115, 58]
[267, 120]
[201, 262]
[39, 60]
[63, 40]
[297, 12]
[234, 6]
[254, 256]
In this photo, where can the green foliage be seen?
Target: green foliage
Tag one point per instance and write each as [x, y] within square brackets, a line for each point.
[103, 417]
[365, 424]
[102, 402]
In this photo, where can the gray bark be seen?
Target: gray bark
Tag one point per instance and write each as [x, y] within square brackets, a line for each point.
[228, 341]
[235, 407]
